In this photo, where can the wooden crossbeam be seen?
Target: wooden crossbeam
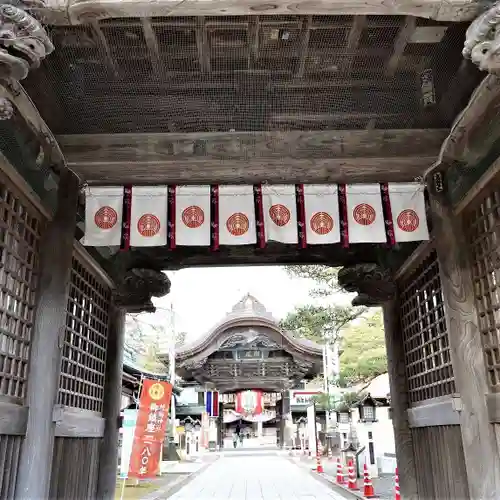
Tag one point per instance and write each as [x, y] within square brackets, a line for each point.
[253, 41]
[327, 156]
[59, 12]
[103, 44]
[152, 44]
[400, 44]
[202, 45]
[305, 35]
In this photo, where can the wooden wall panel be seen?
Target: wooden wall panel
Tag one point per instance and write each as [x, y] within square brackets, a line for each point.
[74, 468]
[440, 463]
[10, 447]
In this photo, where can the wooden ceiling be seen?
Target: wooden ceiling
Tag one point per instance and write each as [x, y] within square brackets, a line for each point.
[250, 73]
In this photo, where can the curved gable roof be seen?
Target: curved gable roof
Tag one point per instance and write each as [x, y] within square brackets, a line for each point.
[248, 312]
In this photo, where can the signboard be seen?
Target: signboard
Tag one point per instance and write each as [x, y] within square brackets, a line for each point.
[302, 398]
[150, 428]
[128, 430]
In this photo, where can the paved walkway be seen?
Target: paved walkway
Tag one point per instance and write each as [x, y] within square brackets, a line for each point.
[258, 477]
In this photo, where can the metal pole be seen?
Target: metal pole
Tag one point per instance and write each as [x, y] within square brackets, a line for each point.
[172, 372]
[326, 384]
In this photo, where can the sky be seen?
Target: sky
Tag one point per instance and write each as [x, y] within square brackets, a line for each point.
[201, 297]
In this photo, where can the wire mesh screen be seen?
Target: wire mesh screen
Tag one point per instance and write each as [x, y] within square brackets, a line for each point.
[248, 73]
[482, 223]
[427, 350]
[84, 352]
[20, 229]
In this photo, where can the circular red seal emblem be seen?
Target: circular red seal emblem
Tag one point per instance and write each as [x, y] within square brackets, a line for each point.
[408, 221]
[280, 215]
[321, 223]
[237, 224]
[364, 214]
[148, 225]
[105, 218]
[193, 217]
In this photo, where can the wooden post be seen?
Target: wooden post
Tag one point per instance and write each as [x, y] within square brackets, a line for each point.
[56, 252]
[399, 400]
[478, 436]
[108, 458]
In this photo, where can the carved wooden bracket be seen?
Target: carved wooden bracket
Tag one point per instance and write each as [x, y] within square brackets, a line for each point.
[23, 42]
[373, 284]
[482, 41]
[138, 285]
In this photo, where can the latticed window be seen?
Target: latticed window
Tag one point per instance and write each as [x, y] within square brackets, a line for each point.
[482, 226]
[367, 413]
[84, 352]
[20, 228]
[343, 417]
[427, 351]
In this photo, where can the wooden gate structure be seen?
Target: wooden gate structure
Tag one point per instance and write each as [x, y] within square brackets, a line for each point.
[243, 91]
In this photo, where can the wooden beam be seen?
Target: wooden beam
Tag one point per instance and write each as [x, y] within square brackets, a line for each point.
[278, 171]
[358, 25]
[305, 35]
[152, 44]
[478, 435]
[253, 41]
[331, 156]
[436, 412]
[33, 479]
[329, 144]
[202, 45]
[103, 44]
[13, 419]
[402, 40]
[76, 423]
[56, 11]
[108, 459]
[399, 400]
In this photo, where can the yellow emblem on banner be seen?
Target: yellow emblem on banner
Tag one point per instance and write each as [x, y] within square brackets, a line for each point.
[156, 391]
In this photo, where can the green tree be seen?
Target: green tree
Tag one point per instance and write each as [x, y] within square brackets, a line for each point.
[324, 277]
[363, 346]
[320, 323]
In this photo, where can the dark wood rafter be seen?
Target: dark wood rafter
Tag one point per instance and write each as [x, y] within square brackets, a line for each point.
[305, 36]
[152, 44]
[203, 45]
[358, 25]
[104, 46]
[400, 44]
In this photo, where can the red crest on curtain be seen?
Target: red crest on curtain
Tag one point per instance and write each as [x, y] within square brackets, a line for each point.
[249, 403]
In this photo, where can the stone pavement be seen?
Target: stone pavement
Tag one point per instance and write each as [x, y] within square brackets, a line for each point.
[256, 477]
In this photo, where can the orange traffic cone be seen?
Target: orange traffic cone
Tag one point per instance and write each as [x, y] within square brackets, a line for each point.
[340, 472]
[368, 486]
[330, 454]
[397, 493]
[352, 477]
[319, 467]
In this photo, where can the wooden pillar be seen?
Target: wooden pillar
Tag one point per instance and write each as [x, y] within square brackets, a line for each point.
[478, 436]
[108, 457]
[399, 400]
[56, 252]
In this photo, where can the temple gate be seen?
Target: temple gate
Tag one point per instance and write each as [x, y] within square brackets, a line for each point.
[121, 93]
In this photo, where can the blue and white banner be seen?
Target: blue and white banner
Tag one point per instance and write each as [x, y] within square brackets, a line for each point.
[128, 430]
[212, 403]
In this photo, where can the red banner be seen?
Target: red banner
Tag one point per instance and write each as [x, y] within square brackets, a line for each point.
[249, 403]
[150, 429]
